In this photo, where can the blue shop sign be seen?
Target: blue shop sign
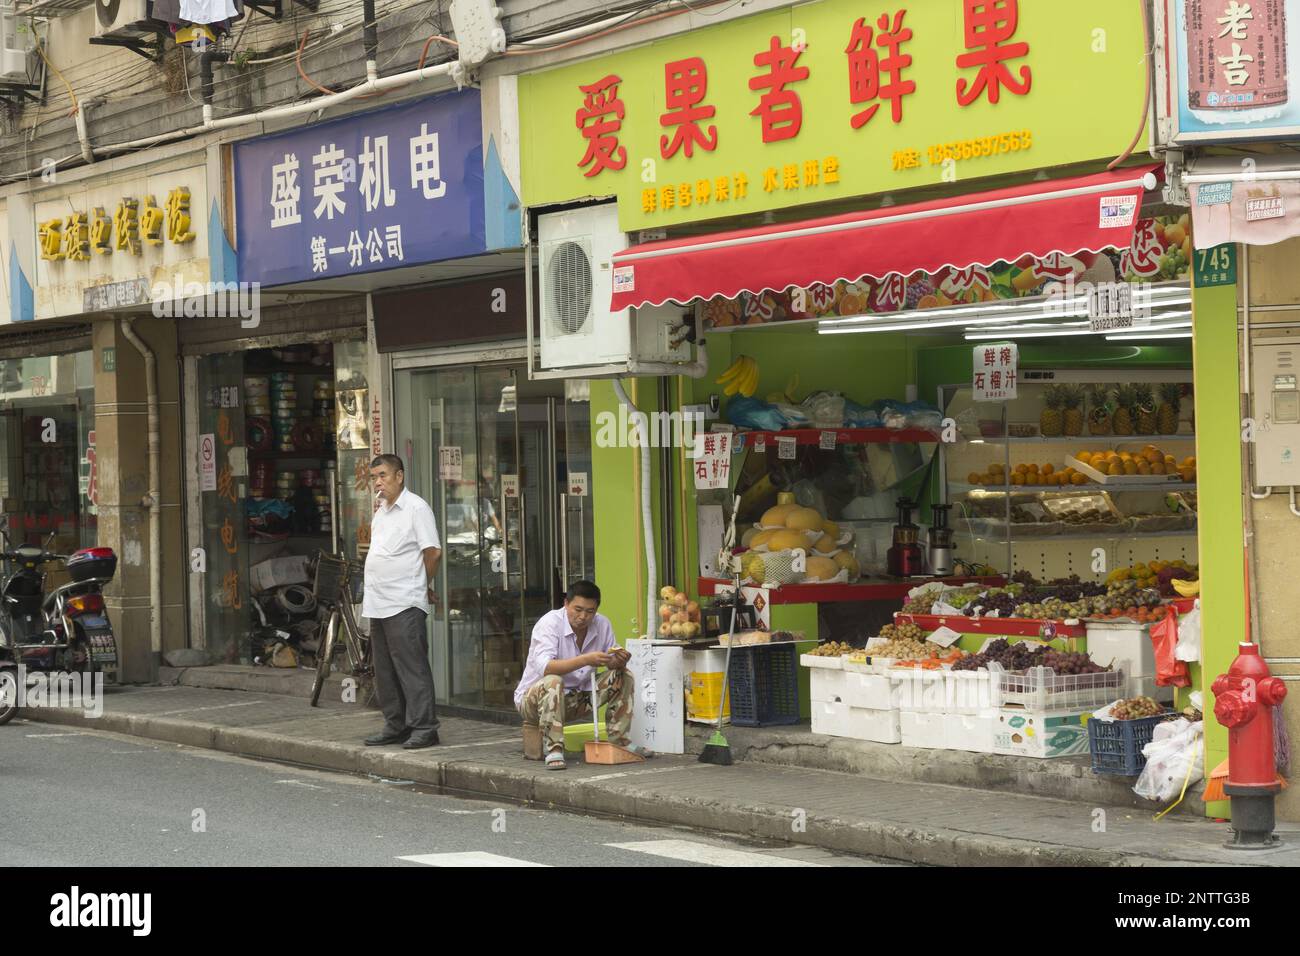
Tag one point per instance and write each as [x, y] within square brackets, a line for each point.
[379, 190]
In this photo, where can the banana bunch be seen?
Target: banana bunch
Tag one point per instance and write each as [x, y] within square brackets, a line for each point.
[740, 377]
[1186, 588]
[788, 396]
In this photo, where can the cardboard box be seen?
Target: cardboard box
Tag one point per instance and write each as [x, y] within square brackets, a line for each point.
[972, 732]
[921, 729]
[1040, 733]
[277, 572]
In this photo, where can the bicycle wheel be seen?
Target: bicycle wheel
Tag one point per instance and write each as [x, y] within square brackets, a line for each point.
[323, 655]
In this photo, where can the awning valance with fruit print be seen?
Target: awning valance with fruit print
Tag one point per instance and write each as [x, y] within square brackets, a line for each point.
[966, 243]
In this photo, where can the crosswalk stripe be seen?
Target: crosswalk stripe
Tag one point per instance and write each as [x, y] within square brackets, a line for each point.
[707, 854]
[473, 858]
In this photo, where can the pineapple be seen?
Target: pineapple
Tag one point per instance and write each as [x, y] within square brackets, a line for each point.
[1099, 418]
[1072, 399]
[1146, 410]
[1123, 419]
[1051, 422]
[1171, 406]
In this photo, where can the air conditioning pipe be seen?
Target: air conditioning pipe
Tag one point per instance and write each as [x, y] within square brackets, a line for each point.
[153, 498]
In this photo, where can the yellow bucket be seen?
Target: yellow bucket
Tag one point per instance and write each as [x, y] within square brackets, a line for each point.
[702, 699]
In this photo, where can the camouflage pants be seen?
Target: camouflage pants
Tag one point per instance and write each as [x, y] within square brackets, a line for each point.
[547, 705]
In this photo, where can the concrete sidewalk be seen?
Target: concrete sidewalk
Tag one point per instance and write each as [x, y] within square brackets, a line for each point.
[916, 822]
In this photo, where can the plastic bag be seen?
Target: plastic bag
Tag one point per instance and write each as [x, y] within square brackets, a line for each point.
[1170, 671]
[900, 415]
[794, 415]
[1175, 758]
[860, 416]
[1189, 635]
[825, 409]
[755, 413]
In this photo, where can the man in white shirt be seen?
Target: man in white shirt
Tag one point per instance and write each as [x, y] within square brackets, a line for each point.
[568, 643]
[403, 558]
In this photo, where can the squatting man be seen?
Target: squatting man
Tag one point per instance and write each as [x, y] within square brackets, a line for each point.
[568, 643]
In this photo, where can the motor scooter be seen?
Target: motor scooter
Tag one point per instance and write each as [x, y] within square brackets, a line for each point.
[67, 630]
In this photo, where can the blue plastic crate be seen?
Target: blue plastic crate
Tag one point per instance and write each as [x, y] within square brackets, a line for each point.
[763, 682]
[1116, 746]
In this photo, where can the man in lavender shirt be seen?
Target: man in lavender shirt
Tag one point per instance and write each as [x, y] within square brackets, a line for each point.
[568, 643]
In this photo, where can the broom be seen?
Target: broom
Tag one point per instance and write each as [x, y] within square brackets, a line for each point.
[717, 750]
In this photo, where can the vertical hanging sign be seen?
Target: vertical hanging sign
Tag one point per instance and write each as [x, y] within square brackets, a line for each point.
[995, 372]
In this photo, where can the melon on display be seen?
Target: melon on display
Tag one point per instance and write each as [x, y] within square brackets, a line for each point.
[804, 519]
[847, 560]
[832, 529]
[762, 538]
[826, 545]
[776, 515]
[821, 569]
[787, 540]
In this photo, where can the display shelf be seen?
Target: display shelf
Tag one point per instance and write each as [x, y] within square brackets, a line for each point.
[875, 589]
[1015, 626]
[845, 436]
[1079, 535]
[958, 487]
[1114, 440]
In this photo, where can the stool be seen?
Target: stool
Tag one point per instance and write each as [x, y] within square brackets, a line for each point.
[532, 742]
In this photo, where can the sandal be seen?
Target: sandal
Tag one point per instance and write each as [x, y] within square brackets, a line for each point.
[555, 760]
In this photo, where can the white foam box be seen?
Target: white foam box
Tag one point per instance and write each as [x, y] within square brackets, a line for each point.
[1126, 646]
[971, 692]
[837, 719]
[972, 732]
[827, 685]
[920, 690]
[869, 691]
[1040, 733]
[830, 717]
[920, 729]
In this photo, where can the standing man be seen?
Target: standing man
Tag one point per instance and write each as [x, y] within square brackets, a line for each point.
[403, 558]
[568, 643]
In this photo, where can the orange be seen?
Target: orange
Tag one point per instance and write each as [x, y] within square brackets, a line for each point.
[1017, 479]
[1130, 467]
[1078, 479]
[1021, 469]
[1144, 468]
[1159, 468]
[1033, 469]
[1115, 468]
[1171, 460]
[1187, 473]
[1048, 469]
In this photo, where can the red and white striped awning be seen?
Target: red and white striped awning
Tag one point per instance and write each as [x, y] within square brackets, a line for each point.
[1083, 214]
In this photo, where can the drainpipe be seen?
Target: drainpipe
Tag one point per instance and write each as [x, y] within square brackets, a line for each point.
[647, 520]
[83, 131]
[153, 498]
[205, 80]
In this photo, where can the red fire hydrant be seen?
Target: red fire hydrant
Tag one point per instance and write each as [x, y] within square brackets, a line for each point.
[1243, 702]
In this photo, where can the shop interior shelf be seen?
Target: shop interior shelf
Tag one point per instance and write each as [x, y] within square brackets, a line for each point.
[1098, 535]
[1015, 626]
[845, 436]
[1112, 440]
[883, 589]
[957, 487]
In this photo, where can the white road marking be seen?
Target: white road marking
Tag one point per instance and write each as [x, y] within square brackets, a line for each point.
[705, 853]
[474, 858]
[56, 735]
[301, 783]
[641, 773]
[195, 710]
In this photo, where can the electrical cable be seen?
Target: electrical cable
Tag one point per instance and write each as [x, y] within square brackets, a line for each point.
[1146, 95]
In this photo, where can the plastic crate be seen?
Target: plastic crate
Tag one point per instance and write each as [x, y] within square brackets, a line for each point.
[764, 685]
[1041, 688]
[1116, 745]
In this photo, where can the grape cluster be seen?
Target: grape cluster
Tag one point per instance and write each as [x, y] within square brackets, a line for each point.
[921, 605]
[1013, 657]
[1071, 662]
[1004, 604]
[1136, 708]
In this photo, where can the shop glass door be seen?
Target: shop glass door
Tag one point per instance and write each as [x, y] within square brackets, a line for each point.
[490, 452]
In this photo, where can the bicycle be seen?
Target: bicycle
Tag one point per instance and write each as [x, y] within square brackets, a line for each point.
[335, 577]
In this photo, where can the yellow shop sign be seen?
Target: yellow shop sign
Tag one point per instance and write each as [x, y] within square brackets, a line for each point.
[832, 99]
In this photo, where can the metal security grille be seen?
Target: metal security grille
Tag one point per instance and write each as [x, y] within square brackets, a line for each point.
[571, 285]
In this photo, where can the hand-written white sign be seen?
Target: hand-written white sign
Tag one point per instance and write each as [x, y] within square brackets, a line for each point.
[995, 372]
[450, 463]
[658, 718]
[713, 463]
[510, 486]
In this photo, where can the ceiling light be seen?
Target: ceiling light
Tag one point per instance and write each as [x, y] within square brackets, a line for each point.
[1163, 335]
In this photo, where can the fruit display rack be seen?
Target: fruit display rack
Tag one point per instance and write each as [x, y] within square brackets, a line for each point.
[867, 590]
[994, 626]
[843, 436]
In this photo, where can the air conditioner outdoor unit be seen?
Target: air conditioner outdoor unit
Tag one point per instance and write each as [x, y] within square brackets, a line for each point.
[578, 335]
[112, 16]
[16, 45]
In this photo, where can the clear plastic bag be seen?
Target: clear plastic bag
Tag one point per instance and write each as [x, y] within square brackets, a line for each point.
[1174, 759]
[755, 413]
[1189, 635]
[825, 409]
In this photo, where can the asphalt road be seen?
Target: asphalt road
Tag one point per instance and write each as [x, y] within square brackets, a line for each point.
[114, 800]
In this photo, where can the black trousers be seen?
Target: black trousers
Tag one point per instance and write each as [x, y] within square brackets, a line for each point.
[403, 680]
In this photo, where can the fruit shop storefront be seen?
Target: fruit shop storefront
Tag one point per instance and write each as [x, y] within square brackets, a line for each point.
[973, 335]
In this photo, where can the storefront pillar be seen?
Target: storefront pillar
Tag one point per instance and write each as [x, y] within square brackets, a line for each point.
[1219, 476]
[121, 417]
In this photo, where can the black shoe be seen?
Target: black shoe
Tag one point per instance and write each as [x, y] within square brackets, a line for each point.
[384, 737]
[419, 741]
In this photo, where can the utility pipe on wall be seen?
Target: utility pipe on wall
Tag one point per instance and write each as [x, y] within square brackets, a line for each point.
[647, 522]
[153, 498]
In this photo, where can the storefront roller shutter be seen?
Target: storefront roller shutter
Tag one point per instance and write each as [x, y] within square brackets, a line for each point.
[326, 319]
[44, 339]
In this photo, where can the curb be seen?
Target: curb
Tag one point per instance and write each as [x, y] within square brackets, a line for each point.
[924, 846]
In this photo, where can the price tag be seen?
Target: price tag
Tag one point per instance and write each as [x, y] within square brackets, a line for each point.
[785, 449]
[827, 441]
[944, 637]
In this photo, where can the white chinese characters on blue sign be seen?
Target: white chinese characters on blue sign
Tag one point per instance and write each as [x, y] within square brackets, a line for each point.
[393, 187]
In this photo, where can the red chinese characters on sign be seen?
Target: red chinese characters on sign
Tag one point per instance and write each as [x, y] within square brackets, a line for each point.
[989, 24]
[780, 109]
[600, 119]
[1142, 258]
[963, 280]
[1057, 266]
[867, 67]
[686, 82]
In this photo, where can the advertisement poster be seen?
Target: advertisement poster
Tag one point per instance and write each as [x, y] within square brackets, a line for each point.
[353, 433]
[1231, 69]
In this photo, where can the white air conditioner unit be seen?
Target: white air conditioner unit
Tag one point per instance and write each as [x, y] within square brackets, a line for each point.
[113, 16]
[17, 42]
[576, 330]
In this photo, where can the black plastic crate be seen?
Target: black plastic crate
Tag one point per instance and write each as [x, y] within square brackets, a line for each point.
[1116, 746]
[763, 682]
